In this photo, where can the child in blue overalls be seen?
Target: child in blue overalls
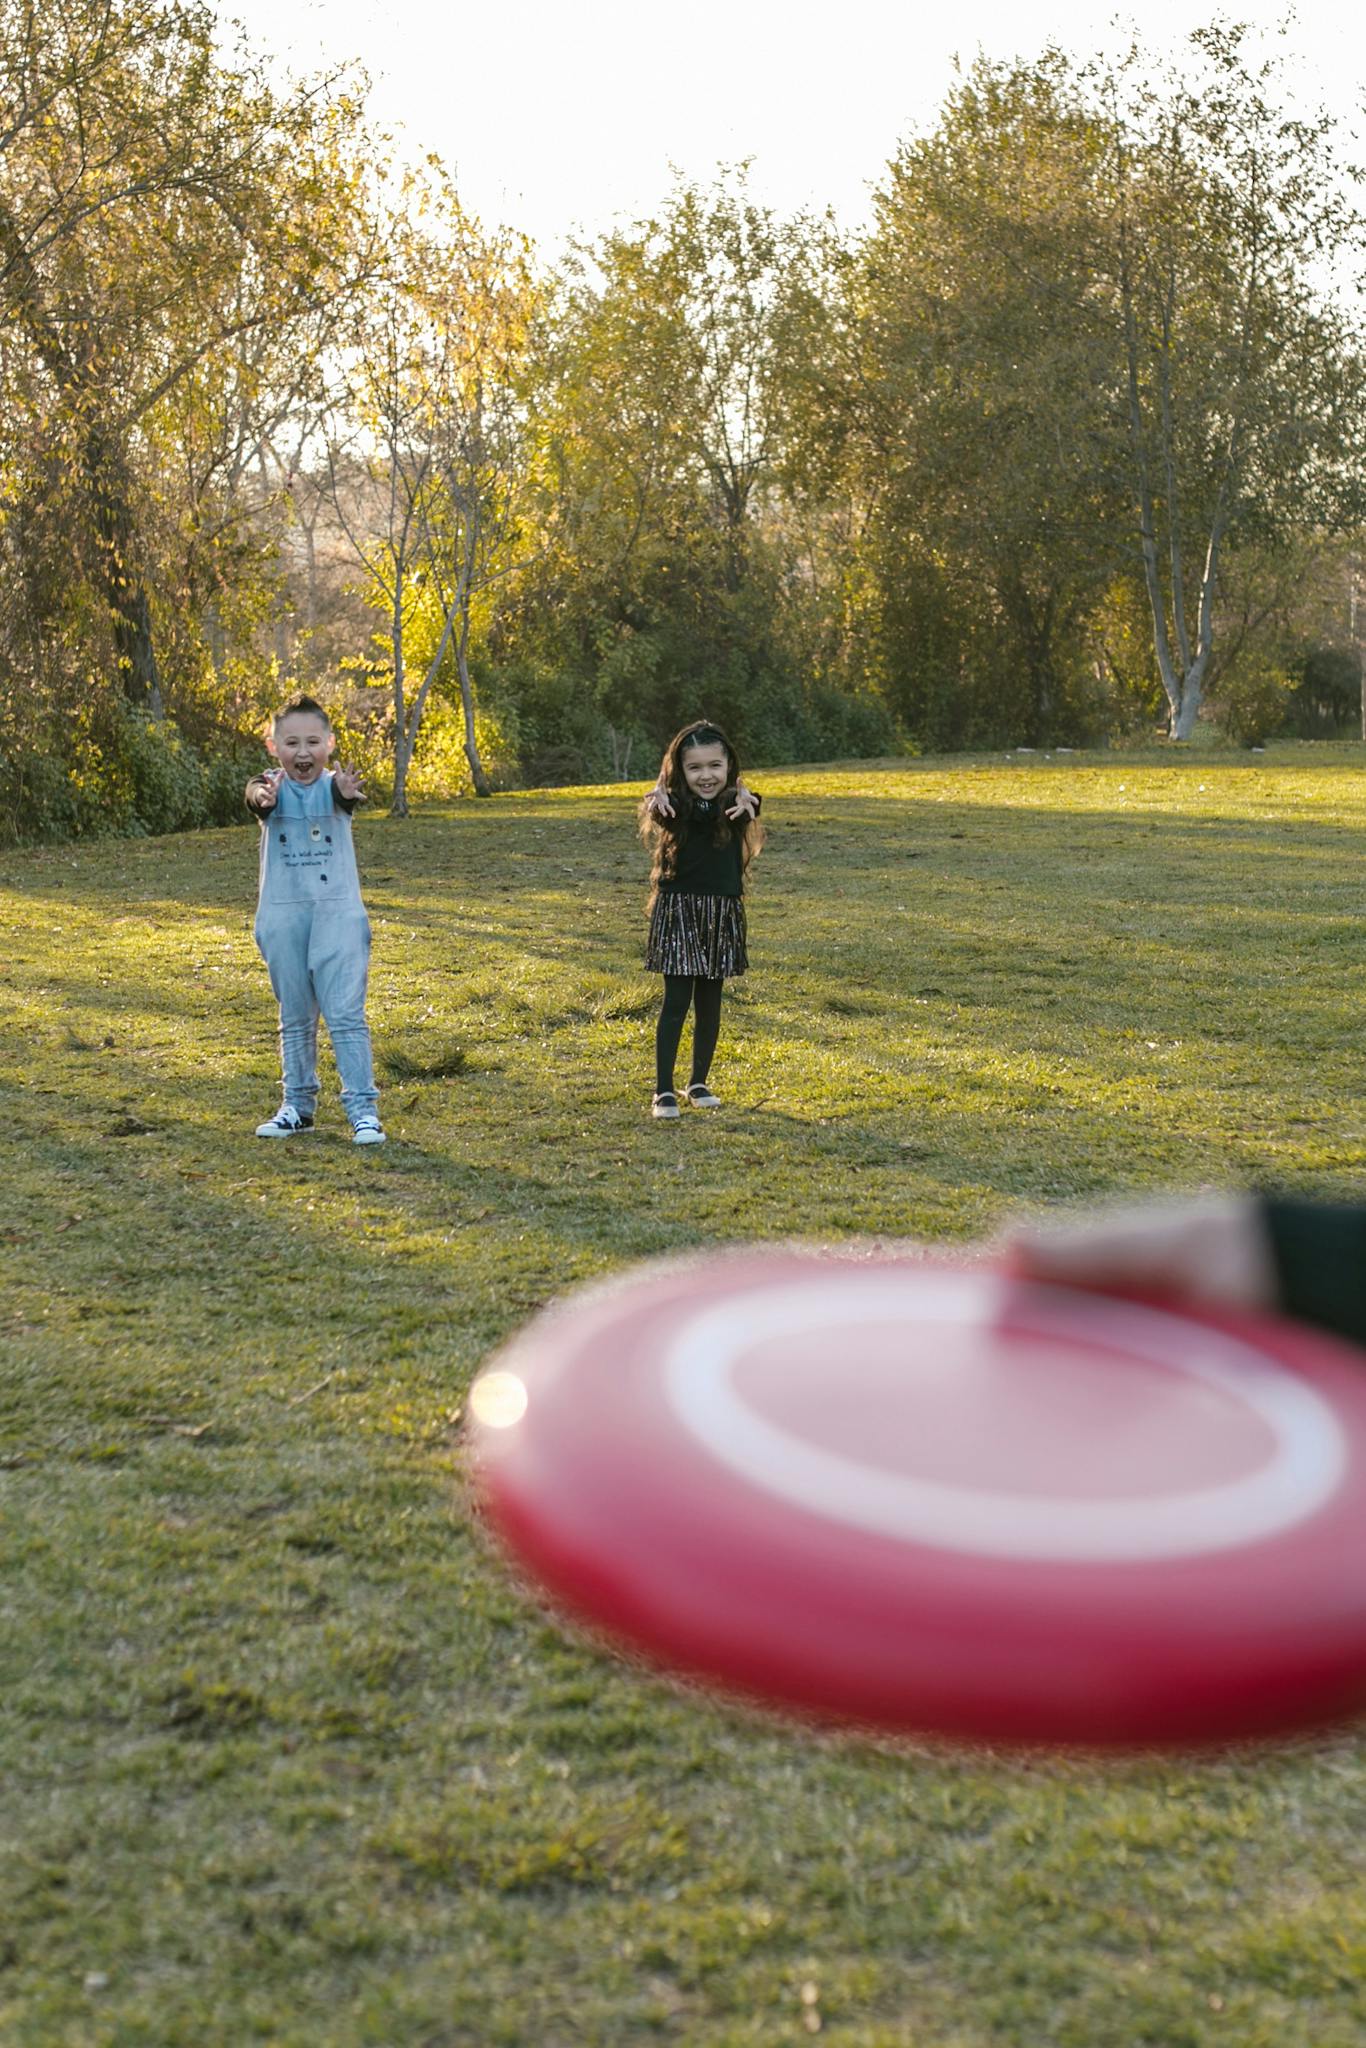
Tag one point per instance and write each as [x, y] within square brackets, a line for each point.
[311, 926]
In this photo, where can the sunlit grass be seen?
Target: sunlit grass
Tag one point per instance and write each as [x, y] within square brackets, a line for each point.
[286, 1756]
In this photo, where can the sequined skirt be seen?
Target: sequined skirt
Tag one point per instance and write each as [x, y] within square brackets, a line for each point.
[696, 935]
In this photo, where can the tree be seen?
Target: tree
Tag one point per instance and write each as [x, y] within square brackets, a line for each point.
[1090, 346]
[1243, 390]
[159, 209]
[972, 412]
[660, 425]
[429, 470]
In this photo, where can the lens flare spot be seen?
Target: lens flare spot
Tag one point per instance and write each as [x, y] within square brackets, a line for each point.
[498, 1400]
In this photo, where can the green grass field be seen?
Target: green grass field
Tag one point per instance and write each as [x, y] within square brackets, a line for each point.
[286, 1755]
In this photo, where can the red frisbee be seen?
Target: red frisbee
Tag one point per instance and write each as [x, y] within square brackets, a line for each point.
[894, 1493]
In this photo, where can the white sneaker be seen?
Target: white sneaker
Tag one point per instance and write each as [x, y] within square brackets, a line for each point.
[367, 1131]
[287, 1122]
[664, 1106]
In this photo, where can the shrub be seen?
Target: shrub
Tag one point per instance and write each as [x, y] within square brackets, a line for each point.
[440, 768]
[1254, 700]
[556, 768]
[1327, 694]
[125, 774]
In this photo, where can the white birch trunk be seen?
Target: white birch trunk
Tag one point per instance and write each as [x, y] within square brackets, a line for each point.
[482, 785]
[403, 743]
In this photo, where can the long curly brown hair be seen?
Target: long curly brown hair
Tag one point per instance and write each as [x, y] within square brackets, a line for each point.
[666, 837]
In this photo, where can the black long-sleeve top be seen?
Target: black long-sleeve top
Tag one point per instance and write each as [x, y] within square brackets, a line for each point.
[706, 865]
[1320, 1254]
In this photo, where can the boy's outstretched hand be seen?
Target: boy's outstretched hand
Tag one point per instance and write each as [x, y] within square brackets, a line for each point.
[350, 783]
[1211, 1248]
[263, 791]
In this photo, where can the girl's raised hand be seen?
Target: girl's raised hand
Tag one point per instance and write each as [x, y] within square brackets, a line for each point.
[351, 784]
[658, 803]
[746, 803]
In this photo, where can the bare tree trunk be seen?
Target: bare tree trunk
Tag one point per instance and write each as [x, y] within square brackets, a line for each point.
[1147, 518]
[482, 785]
[1192, 697]
[1353, 581]
[403, 756]
[1174, 549]
[1193, 689]
[128, 602]
[311, 571]
[403, 740]
[1147, 531]
[621, 744]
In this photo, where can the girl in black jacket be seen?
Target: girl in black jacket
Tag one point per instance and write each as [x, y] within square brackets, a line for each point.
[702, 828]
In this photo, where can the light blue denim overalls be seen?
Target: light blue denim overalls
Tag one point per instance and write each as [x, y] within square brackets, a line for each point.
[314, 937]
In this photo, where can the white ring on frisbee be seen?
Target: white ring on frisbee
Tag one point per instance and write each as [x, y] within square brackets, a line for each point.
[1302, 1473]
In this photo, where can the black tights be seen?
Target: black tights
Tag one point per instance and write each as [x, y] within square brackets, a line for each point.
[681, 992]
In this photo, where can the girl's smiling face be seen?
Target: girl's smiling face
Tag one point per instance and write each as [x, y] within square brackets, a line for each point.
[301, 743]
[704, 769]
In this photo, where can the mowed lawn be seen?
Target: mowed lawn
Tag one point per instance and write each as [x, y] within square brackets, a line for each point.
[286, 1754]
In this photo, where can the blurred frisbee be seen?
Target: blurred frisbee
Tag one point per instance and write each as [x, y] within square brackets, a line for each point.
[885, 1491]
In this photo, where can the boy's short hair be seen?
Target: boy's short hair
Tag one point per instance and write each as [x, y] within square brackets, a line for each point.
[310, 705]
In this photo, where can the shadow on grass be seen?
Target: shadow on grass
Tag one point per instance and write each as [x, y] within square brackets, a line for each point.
[986, 930]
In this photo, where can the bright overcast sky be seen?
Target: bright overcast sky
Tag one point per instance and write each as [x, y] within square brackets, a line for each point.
[559, 115]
